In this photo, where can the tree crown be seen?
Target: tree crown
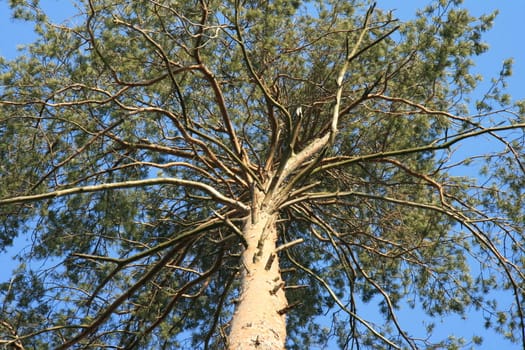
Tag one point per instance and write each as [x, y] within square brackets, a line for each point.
[137, 136]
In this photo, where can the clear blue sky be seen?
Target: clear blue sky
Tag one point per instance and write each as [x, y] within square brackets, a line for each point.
[505, 40]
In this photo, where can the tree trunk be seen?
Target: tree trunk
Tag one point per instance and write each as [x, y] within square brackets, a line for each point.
[259, 321]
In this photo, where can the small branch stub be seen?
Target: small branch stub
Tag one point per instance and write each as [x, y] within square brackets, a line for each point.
[296, 287]
[276, 288]
[288, 308]
[269, 263]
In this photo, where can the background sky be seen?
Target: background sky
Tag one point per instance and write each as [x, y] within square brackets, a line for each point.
[506, 40]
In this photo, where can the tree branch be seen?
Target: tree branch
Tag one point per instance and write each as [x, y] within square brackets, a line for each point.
[128, 184]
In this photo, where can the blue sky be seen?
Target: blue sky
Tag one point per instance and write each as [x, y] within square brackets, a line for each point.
[505, 40]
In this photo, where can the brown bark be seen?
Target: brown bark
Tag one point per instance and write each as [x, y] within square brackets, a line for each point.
[257, 323]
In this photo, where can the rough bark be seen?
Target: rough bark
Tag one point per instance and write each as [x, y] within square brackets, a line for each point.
[257, 322]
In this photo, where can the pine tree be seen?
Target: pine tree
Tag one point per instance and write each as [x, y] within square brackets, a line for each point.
[247, 174]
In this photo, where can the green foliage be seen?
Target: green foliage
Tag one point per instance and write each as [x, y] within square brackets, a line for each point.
[206, 93]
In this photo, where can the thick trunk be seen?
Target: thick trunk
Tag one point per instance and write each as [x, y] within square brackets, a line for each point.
[258, 322]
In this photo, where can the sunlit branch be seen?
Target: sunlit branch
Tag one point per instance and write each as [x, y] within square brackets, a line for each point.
[137, 163]
[15, 342]
[219, 96]
[342, 72]
[111, 97]
[211, 161]
[334, 162]
[129, 184]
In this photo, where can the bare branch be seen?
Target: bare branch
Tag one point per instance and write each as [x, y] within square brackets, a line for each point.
[128, 184]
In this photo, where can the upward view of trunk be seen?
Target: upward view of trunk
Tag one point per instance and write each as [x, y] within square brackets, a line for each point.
[258, 322]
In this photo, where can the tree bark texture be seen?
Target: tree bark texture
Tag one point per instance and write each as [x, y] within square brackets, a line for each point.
[257, 322]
